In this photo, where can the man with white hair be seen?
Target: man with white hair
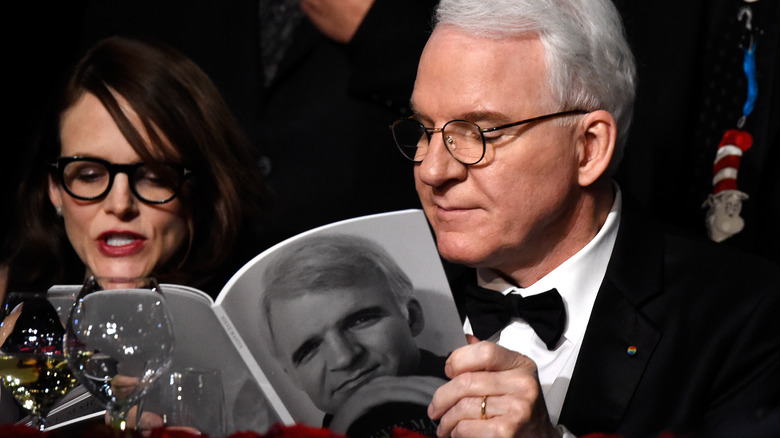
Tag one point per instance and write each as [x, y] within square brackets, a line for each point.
[600, 320]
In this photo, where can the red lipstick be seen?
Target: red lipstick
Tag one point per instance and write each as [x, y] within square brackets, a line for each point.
[120, 243]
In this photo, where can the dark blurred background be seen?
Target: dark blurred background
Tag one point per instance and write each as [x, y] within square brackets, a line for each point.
[321, 124]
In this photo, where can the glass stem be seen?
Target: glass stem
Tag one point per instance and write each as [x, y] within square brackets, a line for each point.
[117, 417]
[38, 422]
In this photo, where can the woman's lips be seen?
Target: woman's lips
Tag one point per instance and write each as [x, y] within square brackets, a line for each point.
[119, 244]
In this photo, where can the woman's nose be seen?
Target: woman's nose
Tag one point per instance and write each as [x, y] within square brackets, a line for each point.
[120, 199]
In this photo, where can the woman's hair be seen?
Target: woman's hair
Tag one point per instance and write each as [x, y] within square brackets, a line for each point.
[187, 121]
[589, 63]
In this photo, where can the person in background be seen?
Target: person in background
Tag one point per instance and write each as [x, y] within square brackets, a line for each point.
[591, 316]
[706, 70]
[341, 317]
[314, 83]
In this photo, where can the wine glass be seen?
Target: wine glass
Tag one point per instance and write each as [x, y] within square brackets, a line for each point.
[119, 338]
[189, 399]
[32, 363]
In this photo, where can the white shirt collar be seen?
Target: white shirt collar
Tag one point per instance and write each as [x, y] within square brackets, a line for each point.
[577, 279]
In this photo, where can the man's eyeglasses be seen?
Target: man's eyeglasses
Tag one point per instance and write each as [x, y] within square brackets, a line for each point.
[88, 178]
[464, 140]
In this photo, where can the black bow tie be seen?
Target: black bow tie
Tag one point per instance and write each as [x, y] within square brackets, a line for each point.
[490, 311]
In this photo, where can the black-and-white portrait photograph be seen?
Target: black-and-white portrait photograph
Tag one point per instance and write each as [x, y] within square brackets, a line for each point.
[350, 320]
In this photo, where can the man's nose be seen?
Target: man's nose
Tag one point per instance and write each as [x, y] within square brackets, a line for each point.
[342, 351]
[439, 166]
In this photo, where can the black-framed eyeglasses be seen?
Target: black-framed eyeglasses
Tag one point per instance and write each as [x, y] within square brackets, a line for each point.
[464, 140]
[88, 178]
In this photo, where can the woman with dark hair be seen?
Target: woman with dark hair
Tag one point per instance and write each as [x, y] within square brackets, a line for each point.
[143, 172]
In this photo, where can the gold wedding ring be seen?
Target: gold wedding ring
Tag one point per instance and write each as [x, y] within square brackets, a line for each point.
[484, 405]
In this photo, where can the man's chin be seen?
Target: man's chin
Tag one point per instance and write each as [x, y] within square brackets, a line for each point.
[461, 255]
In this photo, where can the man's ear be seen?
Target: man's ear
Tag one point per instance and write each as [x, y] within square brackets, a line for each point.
[597, 135]
[55, 194]
[416, 319]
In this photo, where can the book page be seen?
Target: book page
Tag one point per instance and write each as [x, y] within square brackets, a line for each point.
[200, 342]
[406, 238]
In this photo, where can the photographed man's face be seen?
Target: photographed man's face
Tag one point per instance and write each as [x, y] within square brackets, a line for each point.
[331, 342]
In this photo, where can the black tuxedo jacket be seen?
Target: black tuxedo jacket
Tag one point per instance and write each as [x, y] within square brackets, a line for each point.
[705, 322]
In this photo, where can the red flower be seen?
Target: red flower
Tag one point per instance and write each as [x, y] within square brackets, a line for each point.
[276, 431]
[162, 432]
[299, 431]
[601, 435]
[400, 432]
[22, 431]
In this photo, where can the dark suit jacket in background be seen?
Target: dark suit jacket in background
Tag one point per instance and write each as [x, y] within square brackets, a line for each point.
[690, 90]
[704, 321]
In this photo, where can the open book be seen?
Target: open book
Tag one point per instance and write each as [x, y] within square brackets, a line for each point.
[272, 357]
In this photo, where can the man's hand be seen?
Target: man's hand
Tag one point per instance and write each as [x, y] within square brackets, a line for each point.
[514, 406]
[337, 19]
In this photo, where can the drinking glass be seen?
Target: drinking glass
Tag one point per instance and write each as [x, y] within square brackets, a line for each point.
[119, 338]
[190, 399]
[32, 363]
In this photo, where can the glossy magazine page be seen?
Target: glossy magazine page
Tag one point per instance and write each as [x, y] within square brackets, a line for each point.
[318, 351]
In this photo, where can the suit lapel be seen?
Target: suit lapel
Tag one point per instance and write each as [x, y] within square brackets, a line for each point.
[619, 340]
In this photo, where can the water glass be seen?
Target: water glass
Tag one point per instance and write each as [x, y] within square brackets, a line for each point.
[189, 399]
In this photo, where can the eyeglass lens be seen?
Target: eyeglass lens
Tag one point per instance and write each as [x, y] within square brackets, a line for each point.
[89, 179]
[463, 139]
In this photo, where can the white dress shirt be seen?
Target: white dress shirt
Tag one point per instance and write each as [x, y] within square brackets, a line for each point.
[577, 280]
